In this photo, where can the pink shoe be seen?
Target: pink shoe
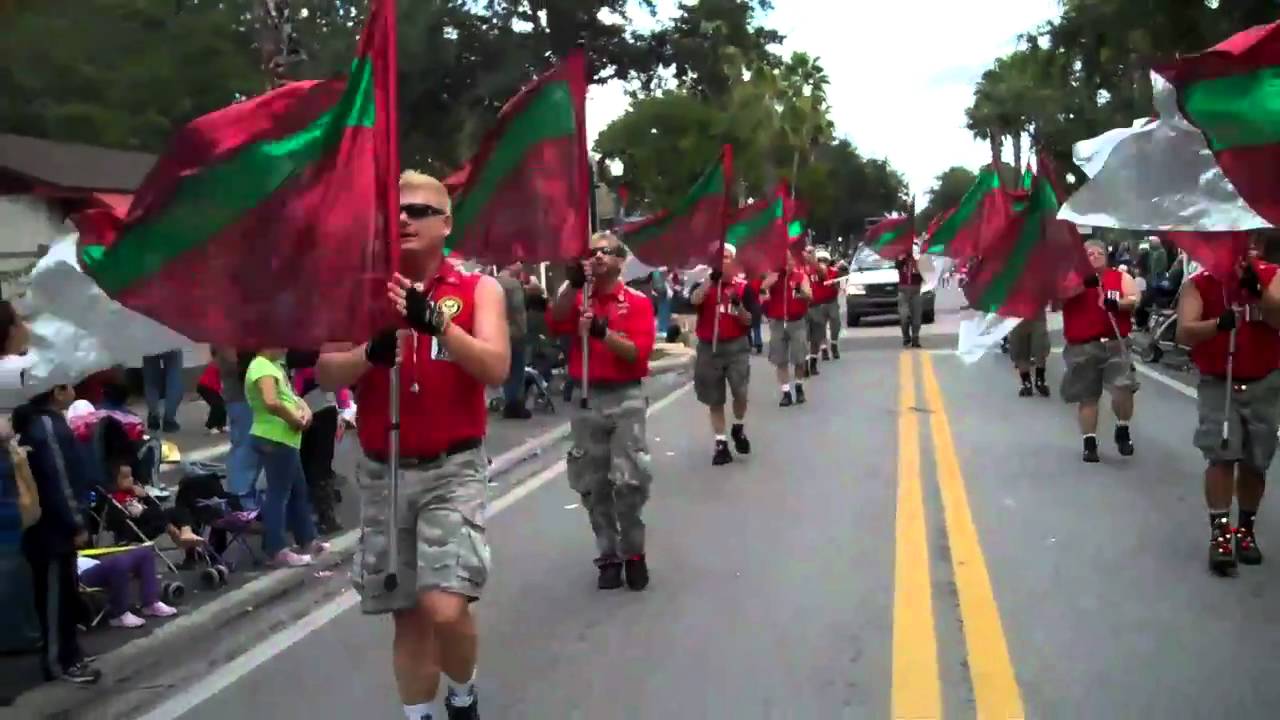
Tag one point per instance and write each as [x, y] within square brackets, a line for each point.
[289, 558]
[127, 620]
[159, 609]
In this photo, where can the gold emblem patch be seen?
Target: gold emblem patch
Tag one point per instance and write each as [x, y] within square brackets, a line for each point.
[451, 306]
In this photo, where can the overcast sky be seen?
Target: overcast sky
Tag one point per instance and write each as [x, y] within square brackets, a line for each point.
[902, 72]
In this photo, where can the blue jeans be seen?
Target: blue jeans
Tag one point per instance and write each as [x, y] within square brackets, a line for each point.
[513, 388]
[162, 374]
[243, 464]
[664, 314]
[757, 333]
[287, 502]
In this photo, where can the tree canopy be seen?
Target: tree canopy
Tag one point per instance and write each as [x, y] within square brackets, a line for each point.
[1089, 70]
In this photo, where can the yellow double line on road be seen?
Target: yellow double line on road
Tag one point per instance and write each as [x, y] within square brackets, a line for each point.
[917, 693]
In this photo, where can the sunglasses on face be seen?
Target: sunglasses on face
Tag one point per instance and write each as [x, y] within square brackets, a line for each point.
[420, 211]
[606, 251]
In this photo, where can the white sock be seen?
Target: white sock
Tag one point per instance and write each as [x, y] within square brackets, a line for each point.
[421, 711]
[721, 438]
[1091, 435]
[1122, 423]
[463, 693]
[786, 387]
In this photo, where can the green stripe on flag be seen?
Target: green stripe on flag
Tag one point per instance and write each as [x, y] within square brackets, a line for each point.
[891, 236]
[1237, 110]
[988, 181]
[996, 294]
[795, 229]
[211, 201]
[548, 116]
[754, 225]
[711, 185]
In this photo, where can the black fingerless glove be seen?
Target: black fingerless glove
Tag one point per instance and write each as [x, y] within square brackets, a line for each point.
[599, 327]
[423, 314]
[1112, 305]
[381, 350]
[577, 276]
[1227, 320]
[1092, 281]
[715, 276]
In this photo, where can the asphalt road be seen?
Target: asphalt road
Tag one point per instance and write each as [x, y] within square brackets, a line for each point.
[916, 541]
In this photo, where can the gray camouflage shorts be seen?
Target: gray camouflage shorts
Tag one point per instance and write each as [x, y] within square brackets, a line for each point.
[1251, 429]
[730, 364]
[1096, 365]
[441, 531]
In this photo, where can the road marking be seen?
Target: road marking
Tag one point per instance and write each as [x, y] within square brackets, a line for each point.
[916, 691]
[1160, 377]
[273, 645]
[995, 686]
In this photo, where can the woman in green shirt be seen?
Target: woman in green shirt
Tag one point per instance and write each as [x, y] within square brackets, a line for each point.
[279, 417]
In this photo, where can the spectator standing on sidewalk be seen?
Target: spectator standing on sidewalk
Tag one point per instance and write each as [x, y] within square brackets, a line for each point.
[279, 418]
[517, 330]
[162, 377]
[662, 298]
[318, 440]
[209, 388]
[455, 346]
[243, 464]
[50, 544]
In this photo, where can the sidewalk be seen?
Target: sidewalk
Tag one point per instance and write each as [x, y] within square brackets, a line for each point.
[122, 653]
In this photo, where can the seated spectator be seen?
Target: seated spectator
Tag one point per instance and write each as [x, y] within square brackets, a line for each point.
[147, 515]
[115, 572]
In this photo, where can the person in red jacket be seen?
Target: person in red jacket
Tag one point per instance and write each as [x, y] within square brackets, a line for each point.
[786, 302]
[1211, 314]
[1096, 324]
[824, 312]
[453, 344]
[725, 304]
[608, 465]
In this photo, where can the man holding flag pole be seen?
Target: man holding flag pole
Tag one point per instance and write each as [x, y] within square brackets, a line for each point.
[1232, 328]
[725, 305]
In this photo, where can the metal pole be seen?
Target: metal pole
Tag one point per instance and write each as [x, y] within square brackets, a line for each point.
[586, 349]
[715, 327]
[1226, 410]
[391, 581]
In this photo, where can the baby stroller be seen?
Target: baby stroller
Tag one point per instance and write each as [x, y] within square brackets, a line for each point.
[219, 517]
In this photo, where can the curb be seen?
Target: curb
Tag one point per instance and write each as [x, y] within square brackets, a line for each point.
[133, 658]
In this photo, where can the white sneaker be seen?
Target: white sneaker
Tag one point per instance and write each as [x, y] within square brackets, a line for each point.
[127, 620]
[289, 558]
[159, 609]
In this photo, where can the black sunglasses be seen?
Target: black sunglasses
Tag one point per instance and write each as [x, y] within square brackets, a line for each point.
[419, 211]
[606, 250]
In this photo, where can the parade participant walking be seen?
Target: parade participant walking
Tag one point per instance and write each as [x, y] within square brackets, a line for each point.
[788, 294]
[824, 313]
[1029, 350]
[1232, 330]
[725, 304]
[456, 344]
[1096, 324]
[608, 465]
[910, 302]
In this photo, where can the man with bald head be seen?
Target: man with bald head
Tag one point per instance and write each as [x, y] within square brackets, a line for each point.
[608, 464]
[452, 343]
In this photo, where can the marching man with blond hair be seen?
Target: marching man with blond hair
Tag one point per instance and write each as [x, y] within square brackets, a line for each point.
[453, 343]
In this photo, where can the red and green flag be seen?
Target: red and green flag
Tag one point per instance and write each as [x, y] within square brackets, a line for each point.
[693, 231]
[759, 233]
[980, 215]
[526, 193]
[1231, 93]
[892, 238]
[272, 222]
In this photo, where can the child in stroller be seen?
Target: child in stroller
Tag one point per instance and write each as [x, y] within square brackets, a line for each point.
[144, 515]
